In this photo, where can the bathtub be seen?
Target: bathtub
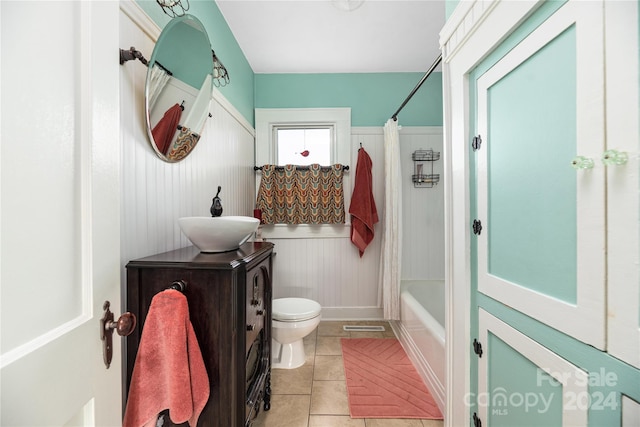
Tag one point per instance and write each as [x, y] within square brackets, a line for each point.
[421, 331]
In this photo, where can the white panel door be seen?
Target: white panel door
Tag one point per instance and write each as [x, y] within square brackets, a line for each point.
[630, 412]
[60, 212]
[541, 249]
[623, 181]
[522, 383]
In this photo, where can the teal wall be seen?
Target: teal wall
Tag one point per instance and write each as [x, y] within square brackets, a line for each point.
[373, 97]
[240, 92]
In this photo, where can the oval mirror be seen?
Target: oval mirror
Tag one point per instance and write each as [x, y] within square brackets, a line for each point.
[178, 88]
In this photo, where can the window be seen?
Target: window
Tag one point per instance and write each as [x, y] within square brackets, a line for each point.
[281, 134]
[302, 145]
[273, 124]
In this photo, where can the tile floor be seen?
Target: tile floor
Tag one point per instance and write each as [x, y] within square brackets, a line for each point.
[315, 394]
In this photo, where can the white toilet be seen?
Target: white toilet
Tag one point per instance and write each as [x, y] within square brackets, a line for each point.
[292, 320]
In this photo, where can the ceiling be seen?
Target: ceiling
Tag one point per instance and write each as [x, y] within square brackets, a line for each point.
[320, 36]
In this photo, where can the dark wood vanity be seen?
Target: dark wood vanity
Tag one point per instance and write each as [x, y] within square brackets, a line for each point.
[229, 296]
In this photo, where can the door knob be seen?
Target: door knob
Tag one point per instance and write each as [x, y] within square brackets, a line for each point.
[581, 162]
[123, 326]
[614, 157]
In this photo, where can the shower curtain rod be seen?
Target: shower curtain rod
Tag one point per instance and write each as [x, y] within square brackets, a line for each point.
[415, 89]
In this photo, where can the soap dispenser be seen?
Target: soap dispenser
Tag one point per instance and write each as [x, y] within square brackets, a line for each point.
[216, 207]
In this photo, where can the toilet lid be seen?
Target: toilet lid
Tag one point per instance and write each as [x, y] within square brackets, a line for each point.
[295, 309]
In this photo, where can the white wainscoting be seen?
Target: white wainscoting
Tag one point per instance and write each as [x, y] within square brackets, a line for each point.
[154, 193]
[330, 270]
[422, 208]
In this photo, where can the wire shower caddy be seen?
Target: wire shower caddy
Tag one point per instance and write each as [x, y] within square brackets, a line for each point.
[420, 178]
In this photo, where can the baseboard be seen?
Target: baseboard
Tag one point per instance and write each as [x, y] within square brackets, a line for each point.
[421, 364]
[352, 313]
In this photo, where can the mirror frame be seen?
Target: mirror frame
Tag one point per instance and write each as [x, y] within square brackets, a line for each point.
[178, 125]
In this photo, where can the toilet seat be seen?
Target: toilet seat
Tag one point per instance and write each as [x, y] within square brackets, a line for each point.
[294, 309]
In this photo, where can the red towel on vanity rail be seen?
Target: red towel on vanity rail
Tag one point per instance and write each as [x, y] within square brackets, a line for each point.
[169, 372]
[363, 207]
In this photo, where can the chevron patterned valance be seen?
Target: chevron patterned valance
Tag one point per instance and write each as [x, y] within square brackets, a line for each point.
[313, 195]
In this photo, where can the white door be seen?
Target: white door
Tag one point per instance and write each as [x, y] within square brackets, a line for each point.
[522, 383]
[60, 213]
[623, 182]
[541, 249]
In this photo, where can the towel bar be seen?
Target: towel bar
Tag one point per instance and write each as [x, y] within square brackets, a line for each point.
[178, 285]
[259, 168]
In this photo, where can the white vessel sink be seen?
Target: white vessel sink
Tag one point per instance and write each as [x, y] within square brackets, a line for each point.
[218, 234]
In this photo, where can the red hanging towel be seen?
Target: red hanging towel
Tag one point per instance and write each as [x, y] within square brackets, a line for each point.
[363, 207]
[169, 371]
[166, 128]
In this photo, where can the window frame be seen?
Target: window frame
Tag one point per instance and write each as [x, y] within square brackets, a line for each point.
[267, 121]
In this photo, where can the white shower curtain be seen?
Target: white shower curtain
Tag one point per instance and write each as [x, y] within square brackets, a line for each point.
[391, 253]
[200, 109]
[158, 79]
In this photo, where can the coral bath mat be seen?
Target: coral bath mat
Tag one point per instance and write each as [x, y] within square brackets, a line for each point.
[383, 383]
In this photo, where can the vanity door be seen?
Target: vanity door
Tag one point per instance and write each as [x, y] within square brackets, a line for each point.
[258, 337]
[256, 306]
